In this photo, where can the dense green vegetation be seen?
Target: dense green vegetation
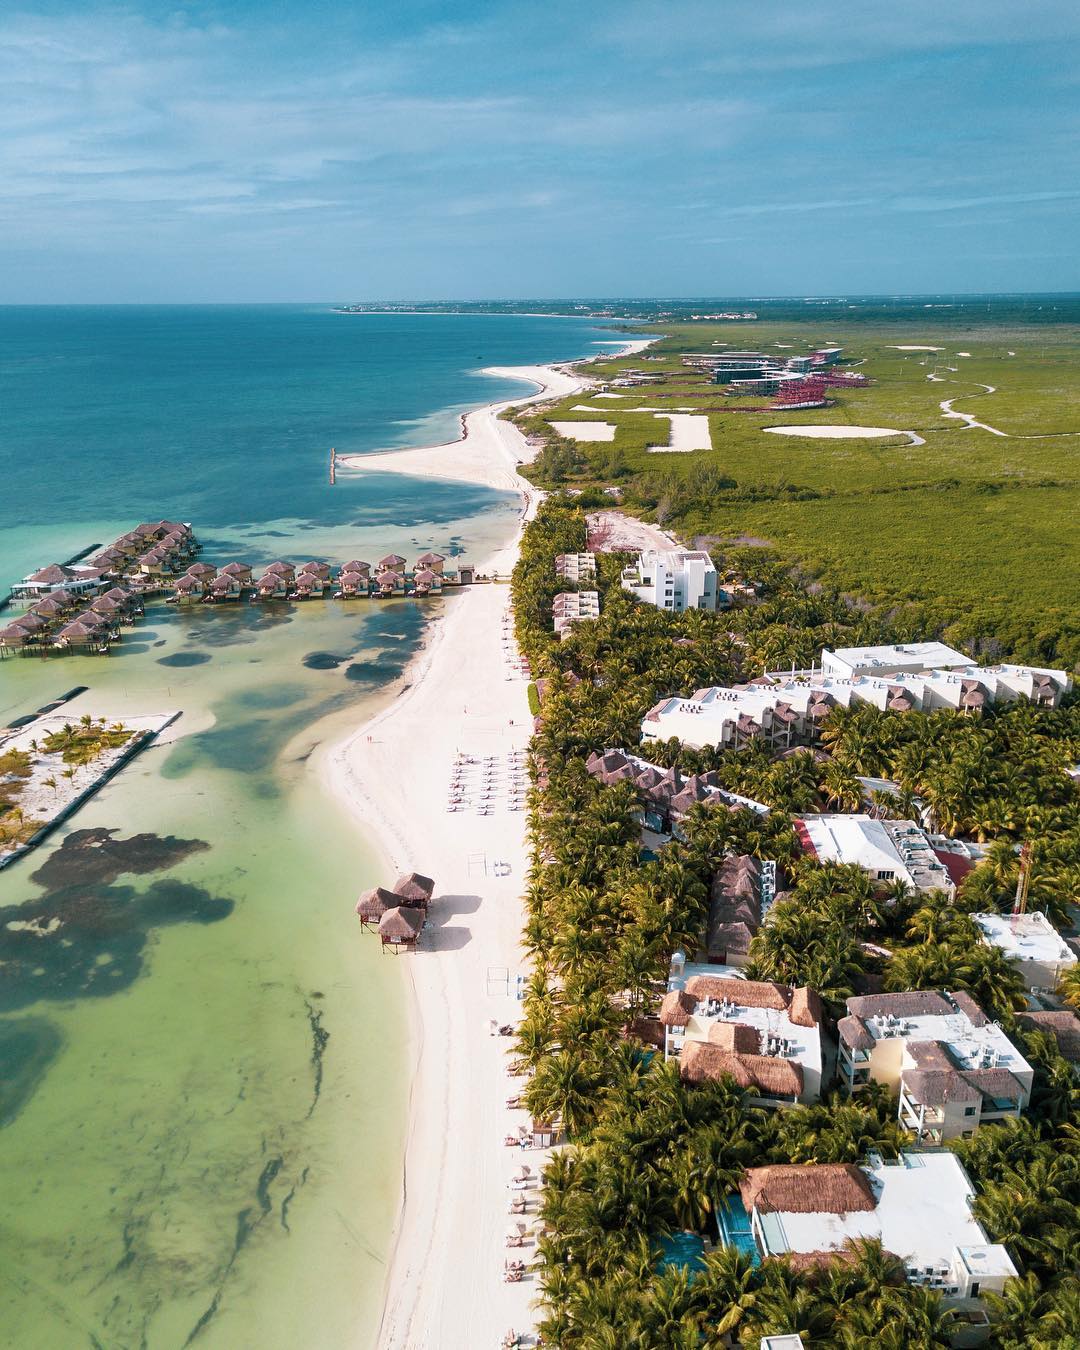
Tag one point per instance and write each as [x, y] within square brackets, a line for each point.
[976, 535]
[650, 1155]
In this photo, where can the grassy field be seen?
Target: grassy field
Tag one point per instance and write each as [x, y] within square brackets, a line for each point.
[981, 533]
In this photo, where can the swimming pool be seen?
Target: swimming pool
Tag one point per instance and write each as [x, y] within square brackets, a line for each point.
[734, 1223]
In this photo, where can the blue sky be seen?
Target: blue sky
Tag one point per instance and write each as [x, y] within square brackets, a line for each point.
[313, 149]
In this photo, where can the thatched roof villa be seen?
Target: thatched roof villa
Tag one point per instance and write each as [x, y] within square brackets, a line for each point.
[414, 889]
[399, 929]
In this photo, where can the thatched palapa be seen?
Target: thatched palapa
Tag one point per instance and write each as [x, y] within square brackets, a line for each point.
[414, 889]
[813, 1188]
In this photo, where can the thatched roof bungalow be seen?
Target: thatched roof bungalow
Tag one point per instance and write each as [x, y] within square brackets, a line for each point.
[399, 929]
[373, 904]
[812, 1188]
[414, 889]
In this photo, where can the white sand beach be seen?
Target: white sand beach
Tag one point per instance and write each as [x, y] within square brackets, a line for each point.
[464, 694]
[489, 452]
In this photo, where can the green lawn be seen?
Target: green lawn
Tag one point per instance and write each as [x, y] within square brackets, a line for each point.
[984, 529]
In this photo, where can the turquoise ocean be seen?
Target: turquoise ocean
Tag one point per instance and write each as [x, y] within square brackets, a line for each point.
[202, 1085]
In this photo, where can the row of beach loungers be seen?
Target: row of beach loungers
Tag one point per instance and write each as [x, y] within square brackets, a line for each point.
[484, 782]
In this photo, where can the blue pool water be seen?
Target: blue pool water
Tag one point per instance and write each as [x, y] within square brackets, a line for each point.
[735, 1227]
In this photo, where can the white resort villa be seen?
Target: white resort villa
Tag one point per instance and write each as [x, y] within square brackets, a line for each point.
[570, 607]
[576, 566]
[1032, 944]
[887, 850]
[678, 580]
[787, 708]
[919, 1208]
[766, 1036]
[954, 1069]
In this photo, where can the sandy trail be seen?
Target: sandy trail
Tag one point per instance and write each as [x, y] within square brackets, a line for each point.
[968, 419]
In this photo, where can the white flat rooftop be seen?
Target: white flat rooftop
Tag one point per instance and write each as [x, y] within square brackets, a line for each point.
[929, 655]
[1026, 937]
[922, 1214]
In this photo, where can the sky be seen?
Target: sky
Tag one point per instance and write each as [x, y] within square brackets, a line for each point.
[310, 150]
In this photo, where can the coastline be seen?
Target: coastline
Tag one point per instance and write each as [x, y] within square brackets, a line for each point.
[444, 1285]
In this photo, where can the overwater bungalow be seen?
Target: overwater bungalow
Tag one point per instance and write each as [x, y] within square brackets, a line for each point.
[363, 568]
[155, 564]
[189, 588]
[426, 582]
[83, 634]
[282, 569]
[389, 583]
[109, 559]
[414, 889]
[17, 637]
[53, 606]
[113, 610]
[393, 562]
[315, 569]
[373, 904]
[431, 562]
[309, 586]
[273, 586]
[241, 571]
[352, 584]
[225, 586]
[399, 929]
[203, 571]
[131, 602]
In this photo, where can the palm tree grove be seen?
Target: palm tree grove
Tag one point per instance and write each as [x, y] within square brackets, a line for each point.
[649, 1156]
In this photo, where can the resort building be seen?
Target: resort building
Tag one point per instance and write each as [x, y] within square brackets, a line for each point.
[741, 891]
[788, 709]
[766, 1036]
[431, 562]
[76, 581]
[576, 566]
[919, 1208]
[667, 794]
[353, 582]
[887, 850]
[570, 607]
[1032, 944]
[909, 658]
[953, 1068]
[677, 580]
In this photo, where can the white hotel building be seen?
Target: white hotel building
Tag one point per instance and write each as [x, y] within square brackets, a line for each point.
[677, 580]
[785, 709]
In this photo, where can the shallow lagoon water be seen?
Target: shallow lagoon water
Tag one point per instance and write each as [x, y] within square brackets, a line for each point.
[202, 1101]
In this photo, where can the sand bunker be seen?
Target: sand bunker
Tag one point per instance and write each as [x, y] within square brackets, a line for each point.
[586, 431]
[624, 396]
[688, 432]
[915, 348]
[824, 433]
